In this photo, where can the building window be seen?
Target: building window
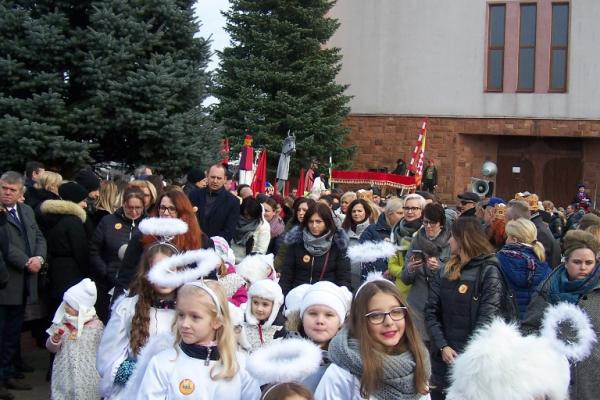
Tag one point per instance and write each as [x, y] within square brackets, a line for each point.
[495, 71]
[559, 47]
[527, 29]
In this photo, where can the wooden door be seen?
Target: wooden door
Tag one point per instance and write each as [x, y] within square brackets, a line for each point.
[508, 182]
[560, 177]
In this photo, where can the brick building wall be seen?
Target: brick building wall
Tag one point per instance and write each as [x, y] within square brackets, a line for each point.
[459, 146]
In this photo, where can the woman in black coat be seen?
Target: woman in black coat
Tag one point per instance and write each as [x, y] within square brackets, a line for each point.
[68, 254]
[316, 251]
[112, 233]
[451, 313]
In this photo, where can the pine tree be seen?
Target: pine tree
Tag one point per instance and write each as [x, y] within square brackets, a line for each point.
[279, 76]
[144, 77]
[104, 80]
[34, 86]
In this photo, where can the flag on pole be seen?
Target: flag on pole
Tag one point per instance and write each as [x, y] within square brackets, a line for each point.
[260, 175]
[416, 161]
[301, 183]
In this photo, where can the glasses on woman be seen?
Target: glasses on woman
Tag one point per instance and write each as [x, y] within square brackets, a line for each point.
[411, 209]
[377, 317]
[169, 209]
[429, 223]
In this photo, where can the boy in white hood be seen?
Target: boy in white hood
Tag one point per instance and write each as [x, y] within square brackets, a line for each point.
[74, 337]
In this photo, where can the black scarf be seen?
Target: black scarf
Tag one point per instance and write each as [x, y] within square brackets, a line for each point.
[206, 353]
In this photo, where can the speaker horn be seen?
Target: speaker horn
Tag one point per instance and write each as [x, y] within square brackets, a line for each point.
[481, 187]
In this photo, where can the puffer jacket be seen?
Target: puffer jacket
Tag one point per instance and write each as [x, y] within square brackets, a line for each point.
[584, 376]
[302, 267]
[448, 312]
[113, 231]
[523, 271]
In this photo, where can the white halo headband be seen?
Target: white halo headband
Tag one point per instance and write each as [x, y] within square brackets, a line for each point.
[580, 322]
[371, 251]
[202, 285]
[163, 226]
[287, 360]
[164, 273]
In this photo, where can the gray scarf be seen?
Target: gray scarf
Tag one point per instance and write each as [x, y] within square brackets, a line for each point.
[398, 370]
[244, 230]
[316, 246]
[360, 228]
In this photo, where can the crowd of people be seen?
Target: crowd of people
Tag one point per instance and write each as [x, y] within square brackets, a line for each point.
[143, 289]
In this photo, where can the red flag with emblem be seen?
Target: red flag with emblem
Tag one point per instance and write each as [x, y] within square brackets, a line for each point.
[260, 175]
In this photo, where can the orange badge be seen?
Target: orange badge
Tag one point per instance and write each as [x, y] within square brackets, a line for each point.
[118, 226]
[186, 387]
[306, 258]
[462, 289]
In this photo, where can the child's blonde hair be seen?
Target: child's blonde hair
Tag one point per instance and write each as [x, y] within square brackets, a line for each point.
[524, 231]
[227, 366]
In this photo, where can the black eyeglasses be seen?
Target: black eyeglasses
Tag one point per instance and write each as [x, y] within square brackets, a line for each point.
[170, 209]
[429, 223]
[377, 317]
[411, 209]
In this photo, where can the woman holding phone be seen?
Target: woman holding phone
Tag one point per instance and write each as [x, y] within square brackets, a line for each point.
[428, 253]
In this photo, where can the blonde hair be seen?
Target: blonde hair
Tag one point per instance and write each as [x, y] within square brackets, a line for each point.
[227, 366]
[594, 230]
[145, 184]
[108, 199]
[348, 195]
[525, 232]
[48, 179]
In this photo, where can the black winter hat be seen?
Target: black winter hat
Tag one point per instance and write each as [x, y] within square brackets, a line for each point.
[88, 180]
[195, 175]
[469, 196]
[72, 191]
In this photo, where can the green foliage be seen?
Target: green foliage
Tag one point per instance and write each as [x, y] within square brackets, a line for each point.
[108, 80]
[279, 75]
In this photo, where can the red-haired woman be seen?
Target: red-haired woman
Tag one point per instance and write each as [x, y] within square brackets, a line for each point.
[173, 204]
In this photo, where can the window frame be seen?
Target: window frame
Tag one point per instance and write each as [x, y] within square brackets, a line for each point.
[521, 46]
[557, 47]
[491, 48]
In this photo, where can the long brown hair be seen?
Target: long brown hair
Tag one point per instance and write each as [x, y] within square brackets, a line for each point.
[140, 323]
[227, 366]
[192, 239]
[472, 242]
[372, 361]
[349, 223]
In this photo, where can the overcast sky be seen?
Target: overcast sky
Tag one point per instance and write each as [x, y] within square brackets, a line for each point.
[209, 13]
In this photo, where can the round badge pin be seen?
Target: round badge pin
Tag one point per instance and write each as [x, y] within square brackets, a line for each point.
[462, 289]
[118, 226]
[186, 387]
[306, 258]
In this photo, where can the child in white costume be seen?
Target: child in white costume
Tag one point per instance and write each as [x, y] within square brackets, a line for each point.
[74, 337]
[204, 364]
[264, 301]
[150, 312]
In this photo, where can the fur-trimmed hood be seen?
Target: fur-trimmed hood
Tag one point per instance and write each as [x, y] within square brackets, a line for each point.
[340, 237]
[63, 207]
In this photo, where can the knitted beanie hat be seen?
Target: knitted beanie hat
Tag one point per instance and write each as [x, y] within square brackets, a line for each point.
[72, 191]
[88, 179]
[330, 295]
[81, 296]
[293, 300]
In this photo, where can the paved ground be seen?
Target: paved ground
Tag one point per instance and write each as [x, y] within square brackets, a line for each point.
[39, 359]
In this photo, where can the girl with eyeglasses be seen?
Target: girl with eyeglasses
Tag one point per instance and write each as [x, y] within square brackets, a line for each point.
[380, 353]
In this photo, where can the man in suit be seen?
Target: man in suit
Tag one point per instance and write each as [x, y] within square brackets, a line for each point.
[218, 210]
[26, 253]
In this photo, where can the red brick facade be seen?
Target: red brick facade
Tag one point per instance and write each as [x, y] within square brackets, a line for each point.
[459, 146]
